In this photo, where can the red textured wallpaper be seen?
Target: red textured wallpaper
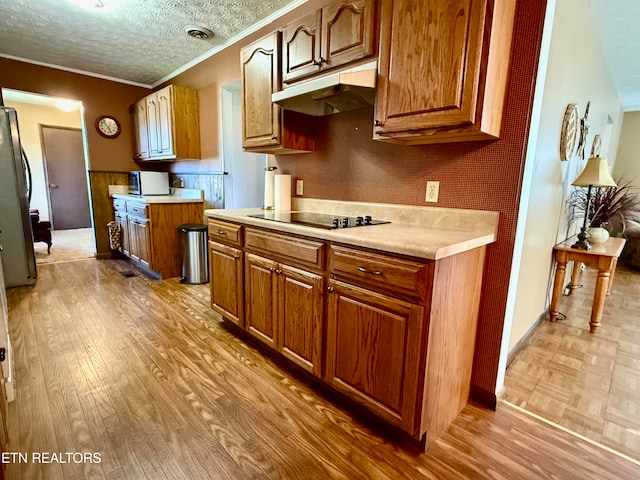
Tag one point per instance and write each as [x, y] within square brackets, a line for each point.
[349, 165]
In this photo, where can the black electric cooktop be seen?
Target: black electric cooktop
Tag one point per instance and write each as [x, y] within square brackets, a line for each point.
[319, 220]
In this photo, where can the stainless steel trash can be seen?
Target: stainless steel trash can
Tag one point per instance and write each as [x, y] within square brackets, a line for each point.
[195, 262]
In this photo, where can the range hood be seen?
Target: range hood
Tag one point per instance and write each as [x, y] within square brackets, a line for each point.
[336, 92]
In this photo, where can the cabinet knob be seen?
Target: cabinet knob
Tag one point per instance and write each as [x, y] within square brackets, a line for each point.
[323, 60]
[330, 289]
[274, 137]
[278, 272]
[377, 123]
[370, 272]
[316, 63]
[237, 257]
[221, 233]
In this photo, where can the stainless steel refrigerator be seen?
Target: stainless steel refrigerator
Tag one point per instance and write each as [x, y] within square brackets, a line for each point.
[16, 236]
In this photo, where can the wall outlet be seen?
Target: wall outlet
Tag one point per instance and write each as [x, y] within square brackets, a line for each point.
[299, 187]
[433, 188]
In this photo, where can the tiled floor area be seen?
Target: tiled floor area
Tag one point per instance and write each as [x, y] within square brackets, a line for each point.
[588, 383]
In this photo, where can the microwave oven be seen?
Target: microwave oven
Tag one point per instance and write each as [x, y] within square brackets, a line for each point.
[148, 183]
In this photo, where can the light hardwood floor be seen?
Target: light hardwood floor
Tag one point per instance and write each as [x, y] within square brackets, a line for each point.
[588, 383]
[144, 373]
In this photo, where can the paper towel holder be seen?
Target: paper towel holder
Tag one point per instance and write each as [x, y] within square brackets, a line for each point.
[269, 207]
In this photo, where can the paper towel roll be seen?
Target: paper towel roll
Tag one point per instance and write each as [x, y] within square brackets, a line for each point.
[282, 191]
[268, 190]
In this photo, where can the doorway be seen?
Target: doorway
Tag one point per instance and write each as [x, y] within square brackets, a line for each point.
[244, 183]
[36, 111]
[63, 155]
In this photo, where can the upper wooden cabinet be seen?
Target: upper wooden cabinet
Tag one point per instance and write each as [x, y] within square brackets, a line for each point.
[339, 33]
[265, 127]
[450, 85]
[141, 130]
[167, 125]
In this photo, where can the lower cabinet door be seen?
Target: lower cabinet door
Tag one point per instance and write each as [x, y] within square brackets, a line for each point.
[260, 289]
[373, 351]
[132, 235]
[227, 282]
[300, 313]
[144, 244]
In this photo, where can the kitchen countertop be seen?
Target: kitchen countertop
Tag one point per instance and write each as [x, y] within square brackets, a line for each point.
[424, 232]
[180, 195]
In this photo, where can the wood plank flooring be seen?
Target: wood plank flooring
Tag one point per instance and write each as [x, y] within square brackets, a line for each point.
[145, 374]
[588, 383]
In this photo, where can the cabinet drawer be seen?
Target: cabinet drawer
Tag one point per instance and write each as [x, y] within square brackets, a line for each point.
[225, 232]
[120, 204]
[137, 209]
[379, 272]
[286, 248]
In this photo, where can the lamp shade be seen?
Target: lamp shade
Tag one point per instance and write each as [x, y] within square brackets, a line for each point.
[596, 173]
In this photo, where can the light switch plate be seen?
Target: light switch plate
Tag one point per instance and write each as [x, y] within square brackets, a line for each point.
[299, 187]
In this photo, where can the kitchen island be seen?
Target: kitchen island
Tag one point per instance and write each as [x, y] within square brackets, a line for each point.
[384, 314]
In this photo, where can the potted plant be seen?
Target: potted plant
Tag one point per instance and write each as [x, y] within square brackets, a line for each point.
[608, 209]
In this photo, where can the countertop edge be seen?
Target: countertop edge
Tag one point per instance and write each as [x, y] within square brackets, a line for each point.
[156, 199]
[421, 241]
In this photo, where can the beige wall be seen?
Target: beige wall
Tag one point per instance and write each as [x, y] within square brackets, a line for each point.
[577, 72]
[99, 97]
[30, 117]
[628, 157]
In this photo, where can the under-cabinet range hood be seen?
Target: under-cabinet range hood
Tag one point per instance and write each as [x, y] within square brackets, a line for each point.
[336, 92]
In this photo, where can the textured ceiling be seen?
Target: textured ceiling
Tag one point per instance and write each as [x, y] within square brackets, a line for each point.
[143, 41]
[617, 22]
[138, 41]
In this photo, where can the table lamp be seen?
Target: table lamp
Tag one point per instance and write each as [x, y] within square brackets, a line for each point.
[595, 174]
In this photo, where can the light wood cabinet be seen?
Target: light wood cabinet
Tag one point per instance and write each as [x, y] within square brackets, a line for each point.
[284, 304]
[149, 233]
[338, 34]
[411, 325]
[300, 316]
[452, 86]
[139, 241]
[261, 295]
[141, 130]
[227, 281]
[373, 347]
[167, 125]
[395, 334]
[266, 128]
[226, 270]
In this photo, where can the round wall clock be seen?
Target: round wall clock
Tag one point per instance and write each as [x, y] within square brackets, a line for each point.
[108, 126]
[569, 131]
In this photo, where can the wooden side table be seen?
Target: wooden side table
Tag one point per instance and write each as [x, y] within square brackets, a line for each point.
[604, 256]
